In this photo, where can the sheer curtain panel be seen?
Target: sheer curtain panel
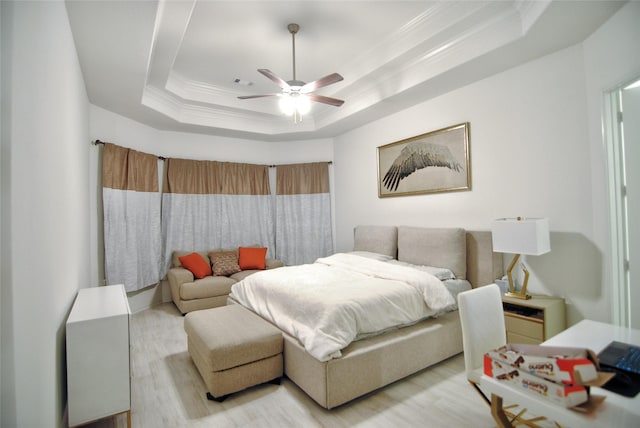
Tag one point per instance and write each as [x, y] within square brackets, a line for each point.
[303, 213]
[131, 205]
[208, 205]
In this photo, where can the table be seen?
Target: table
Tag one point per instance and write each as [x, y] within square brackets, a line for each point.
[616, 411]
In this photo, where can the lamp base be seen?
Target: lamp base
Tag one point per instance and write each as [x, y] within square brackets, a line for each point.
[522, 294]
[517, 295]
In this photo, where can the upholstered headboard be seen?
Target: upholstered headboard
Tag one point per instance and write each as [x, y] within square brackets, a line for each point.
[440, 247]
[377, 239]
[483, 265]
[469, 254]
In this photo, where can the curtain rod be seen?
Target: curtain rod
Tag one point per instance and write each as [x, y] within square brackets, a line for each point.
[274, 166]
[96, 142]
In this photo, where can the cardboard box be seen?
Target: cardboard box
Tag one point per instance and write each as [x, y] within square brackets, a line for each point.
[571, 366]
[564, 395]
[555, 374]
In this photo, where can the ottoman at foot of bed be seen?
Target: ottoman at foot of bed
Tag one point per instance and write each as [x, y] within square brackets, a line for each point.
[233, 349]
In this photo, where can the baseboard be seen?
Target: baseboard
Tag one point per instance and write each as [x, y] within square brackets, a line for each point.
[145, 298]
[64, 422]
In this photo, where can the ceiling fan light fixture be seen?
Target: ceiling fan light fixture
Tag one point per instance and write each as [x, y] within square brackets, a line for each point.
[296, 95]
[303, 104]
[287, 106]
[294, 103]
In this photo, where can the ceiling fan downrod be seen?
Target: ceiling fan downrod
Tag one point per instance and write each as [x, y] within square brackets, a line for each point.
[296, 96]
[293, 29]
[295, 99]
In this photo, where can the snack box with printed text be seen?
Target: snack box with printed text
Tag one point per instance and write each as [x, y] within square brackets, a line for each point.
[569, 366]
[554, 373]
[564, 395]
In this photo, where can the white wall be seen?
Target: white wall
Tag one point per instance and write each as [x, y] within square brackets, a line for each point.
[536, 150]
[631, 122]
[111, 127]
[610, 59]
[529, 157]
[116, 129]
[45, 220]
[3, 273]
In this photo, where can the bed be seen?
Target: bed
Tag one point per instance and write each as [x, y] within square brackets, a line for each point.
[369, 363]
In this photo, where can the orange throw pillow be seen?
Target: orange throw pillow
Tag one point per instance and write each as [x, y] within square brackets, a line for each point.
[252, 258]
[196, 264]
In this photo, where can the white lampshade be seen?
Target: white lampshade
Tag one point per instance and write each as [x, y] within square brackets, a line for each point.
[521, 236]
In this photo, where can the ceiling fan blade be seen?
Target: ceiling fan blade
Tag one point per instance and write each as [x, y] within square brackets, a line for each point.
[277, 80]
[325, 100]
[321, 83]
[246, 97]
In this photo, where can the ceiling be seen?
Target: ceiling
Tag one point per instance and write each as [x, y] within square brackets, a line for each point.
[173, 64]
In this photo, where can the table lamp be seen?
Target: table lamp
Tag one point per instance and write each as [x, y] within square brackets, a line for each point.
[519, 236]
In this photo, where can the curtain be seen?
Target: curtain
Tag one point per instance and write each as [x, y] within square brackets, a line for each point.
[131, 207]
[303, 213]
[209, 204]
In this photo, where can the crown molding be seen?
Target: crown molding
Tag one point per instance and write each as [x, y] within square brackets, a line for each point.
[224, 118]
[444, 36]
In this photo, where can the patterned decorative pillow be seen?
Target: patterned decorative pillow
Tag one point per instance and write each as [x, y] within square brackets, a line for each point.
[224, 263]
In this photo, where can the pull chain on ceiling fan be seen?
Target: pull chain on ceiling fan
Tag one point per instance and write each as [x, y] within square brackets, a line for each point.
[296, 96]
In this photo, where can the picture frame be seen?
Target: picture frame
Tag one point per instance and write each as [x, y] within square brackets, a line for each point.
[434, 162]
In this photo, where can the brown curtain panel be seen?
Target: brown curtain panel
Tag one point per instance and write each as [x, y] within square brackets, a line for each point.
[302, 179]
[211, 177]
[210, 204]
[303, 213]
[131, 208]
[127, 169]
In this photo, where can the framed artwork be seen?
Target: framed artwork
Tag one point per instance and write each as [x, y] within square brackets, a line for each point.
[437, 161]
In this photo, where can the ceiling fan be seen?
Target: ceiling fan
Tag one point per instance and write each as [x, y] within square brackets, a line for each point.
[296, 96]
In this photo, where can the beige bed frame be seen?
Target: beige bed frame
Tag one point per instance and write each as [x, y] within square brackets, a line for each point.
[372, 363]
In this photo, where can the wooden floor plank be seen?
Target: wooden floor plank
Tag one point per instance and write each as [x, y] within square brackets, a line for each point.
[167, 391]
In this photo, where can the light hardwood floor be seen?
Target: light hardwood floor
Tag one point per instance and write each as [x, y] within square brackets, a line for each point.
[167, 391]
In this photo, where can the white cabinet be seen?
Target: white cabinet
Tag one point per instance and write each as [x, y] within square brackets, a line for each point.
[98, 368]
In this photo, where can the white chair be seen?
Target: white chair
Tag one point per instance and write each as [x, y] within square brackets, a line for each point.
[483, 329]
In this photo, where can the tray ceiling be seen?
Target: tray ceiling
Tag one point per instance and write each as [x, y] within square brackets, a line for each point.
[174, 64]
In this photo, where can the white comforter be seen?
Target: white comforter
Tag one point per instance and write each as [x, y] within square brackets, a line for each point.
[332, 302]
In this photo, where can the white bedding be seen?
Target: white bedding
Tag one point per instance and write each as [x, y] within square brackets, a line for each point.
[330, 303]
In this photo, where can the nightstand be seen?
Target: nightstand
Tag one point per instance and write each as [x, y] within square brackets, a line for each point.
[534, 320]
